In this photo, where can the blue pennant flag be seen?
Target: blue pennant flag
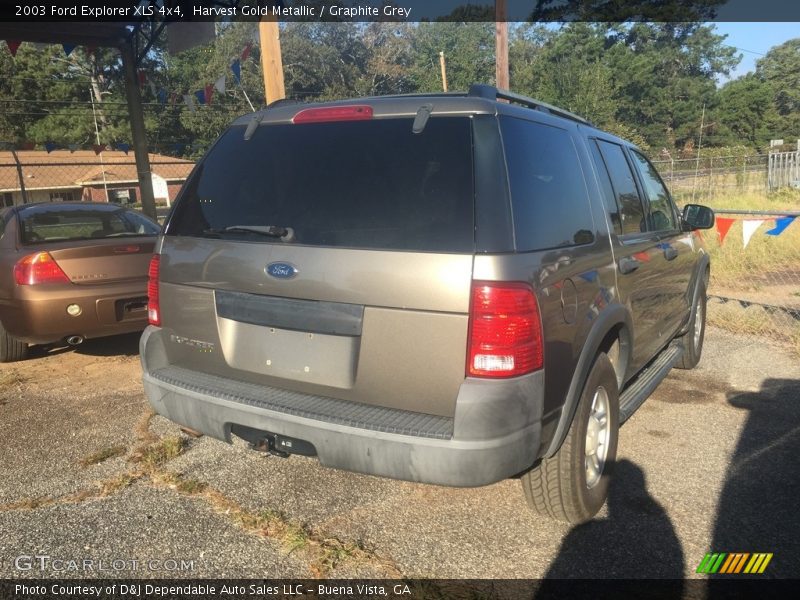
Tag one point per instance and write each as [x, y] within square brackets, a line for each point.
[236, 67]
[124, 147]
[50, 146]
[780, 225]
[68, 48]
[590, 276]
[201, 96]
[162, 96]
[179, 148]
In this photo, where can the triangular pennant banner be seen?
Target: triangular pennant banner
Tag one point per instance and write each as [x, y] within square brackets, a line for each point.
[723, 227]
[246, 51]
[236, 67]
[219, 84]
[208, 93]
[50, 146]
[780, 225]
[27, 145]
[68, 48]
[162, 96]
[98, 148]
[179, 148]
[189, 100]
[73, 147]
[13, 46]
[749, 227]
[201, 96]
[124, 147]
[142, 78]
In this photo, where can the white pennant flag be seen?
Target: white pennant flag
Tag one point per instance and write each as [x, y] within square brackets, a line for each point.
[749, 227]
[219, 84]
[189, 100]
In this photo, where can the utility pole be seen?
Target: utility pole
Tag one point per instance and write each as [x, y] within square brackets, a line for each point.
[443, 66]
[138, 132]
[501, 44]
[271, 61]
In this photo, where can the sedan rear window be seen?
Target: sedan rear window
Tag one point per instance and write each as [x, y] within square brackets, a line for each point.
[363, 184]
[50, 223]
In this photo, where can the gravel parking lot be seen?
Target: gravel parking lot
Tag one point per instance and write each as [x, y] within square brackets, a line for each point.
[709, 463]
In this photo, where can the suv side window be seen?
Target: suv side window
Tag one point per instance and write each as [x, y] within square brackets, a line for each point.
[606, 189]
[549, 199]
[627, 196]
[662, 217]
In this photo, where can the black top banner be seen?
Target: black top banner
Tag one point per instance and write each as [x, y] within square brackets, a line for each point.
[131, 11]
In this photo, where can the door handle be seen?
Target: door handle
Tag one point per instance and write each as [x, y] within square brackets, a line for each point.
[670, 253]
[628, 265]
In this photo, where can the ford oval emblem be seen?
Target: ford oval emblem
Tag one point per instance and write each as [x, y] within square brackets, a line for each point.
[281, 270]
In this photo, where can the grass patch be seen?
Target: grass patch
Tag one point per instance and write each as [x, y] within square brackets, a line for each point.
[323, 553]
[11, 378]
[103, 455]
[754, 320]
[159, 452]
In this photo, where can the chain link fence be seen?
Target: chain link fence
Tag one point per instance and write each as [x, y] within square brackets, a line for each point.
[755, 282]
[711, 176]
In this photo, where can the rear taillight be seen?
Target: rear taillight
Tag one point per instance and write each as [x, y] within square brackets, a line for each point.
[153, 308]
[38, 268]
[505, 330]
[333, 113]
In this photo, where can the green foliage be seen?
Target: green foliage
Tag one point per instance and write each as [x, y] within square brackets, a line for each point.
[647, 82]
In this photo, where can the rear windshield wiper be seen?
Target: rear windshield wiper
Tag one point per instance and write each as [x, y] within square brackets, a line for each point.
[285, 234]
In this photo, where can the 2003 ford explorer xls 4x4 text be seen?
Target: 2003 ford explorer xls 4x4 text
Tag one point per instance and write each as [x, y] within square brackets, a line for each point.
[447, 288]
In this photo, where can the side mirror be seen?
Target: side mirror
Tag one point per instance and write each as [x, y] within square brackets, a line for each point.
[697, 216]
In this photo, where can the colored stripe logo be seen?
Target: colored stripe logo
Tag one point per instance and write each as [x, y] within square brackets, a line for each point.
[731, 563]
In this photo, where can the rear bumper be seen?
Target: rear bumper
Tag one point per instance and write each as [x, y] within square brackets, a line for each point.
[39, 315]
[495, 431]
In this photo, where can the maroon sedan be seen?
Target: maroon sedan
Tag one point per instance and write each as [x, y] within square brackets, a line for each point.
[71, 271]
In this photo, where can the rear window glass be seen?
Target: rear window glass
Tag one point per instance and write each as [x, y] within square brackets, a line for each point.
[362, 184]
[548, 193]
[57, 224]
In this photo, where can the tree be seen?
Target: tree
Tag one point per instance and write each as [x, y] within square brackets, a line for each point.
[745, 110]
[780, 68]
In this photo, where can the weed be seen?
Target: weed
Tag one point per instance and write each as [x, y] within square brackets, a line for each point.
[102, 455]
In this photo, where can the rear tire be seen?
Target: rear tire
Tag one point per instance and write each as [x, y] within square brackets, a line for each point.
[692, 340]
[569, 486]
[11, 349]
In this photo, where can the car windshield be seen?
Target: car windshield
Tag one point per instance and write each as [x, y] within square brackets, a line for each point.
[364, 184]
[65, 223]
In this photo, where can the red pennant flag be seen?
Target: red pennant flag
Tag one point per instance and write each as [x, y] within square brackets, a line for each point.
[142, 78]
[13, 46]
[98, 148]
[209, 92]
[723, 227]
[246, 51]
[643, 256]
[27, 145]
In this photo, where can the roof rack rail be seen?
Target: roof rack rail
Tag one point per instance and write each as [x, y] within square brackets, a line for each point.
[481, 90]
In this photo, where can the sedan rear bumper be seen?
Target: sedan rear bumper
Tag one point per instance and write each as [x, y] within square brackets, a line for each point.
[38, 314]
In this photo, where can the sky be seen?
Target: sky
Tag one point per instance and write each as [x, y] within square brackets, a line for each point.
[755, 39]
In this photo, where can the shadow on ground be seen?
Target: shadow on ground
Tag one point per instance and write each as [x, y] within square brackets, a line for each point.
[115, 345]
[636, 532]
[757, 509]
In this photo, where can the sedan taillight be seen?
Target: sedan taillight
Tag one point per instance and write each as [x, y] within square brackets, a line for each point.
[153, 308]
[38, 268]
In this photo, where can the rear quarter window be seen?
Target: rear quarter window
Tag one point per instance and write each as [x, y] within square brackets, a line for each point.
[549, 199]
[362, 184]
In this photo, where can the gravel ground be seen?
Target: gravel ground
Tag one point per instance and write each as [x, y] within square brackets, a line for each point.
[707, 464]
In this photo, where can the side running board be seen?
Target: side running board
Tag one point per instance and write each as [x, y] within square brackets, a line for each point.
[645, 384]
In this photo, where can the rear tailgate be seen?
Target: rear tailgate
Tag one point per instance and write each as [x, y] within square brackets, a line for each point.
[370, 300]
